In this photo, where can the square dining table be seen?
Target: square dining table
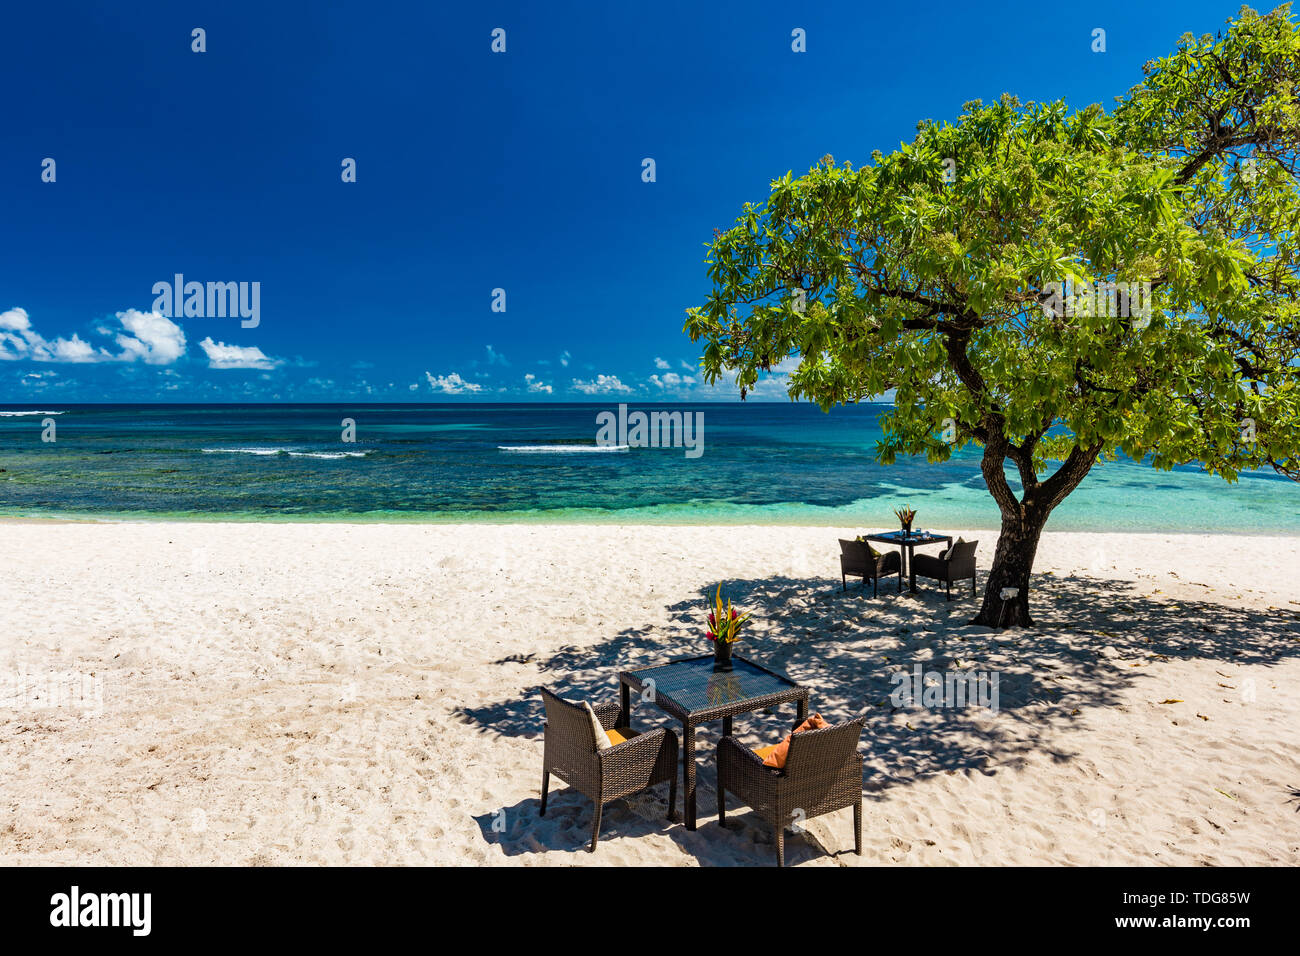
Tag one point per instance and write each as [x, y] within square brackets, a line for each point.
[906, 544]
[691, 691]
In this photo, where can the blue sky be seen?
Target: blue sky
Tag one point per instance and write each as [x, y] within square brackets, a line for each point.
[475, 171]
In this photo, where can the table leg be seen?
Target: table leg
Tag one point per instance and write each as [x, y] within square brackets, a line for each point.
[726, 726]
[911, 571]
[688, 773]
[803, 709]
[625, 705]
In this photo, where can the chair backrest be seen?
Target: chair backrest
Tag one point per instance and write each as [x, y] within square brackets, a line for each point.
[854, 549]
[568, 720]
[856, 553]
[823, 751]
[962, 551]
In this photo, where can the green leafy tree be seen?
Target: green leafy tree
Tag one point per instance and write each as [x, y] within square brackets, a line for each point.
[951, 271]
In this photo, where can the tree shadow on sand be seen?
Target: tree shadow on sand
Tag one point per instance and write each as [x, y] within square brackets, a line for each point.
[1094, 642]
[566, 828]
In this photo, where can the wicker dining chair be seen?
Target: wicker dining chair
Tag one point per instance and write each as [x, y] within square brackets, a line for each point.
[823, 772]
[955, 564]
[635, 762]
[856, 558]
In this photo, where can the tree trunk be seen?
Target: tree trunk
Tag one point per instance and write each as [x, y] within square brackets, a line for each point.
[1012, 563]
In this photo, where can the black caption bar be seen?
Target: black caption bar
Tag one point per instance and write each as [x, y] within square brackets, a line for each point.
[140, 906]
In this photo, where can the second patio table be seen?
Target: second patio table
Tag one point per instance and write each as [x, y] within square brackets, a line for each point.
[906, 543]
[691, 691]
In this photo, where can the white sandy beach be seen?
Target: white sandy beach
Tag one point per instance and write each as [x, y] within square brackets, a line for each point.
[331, 694]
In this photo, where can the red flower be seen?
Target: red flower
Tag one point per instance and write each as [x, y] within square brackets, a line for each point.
[711, 637]
[712, 622]
[733, 614]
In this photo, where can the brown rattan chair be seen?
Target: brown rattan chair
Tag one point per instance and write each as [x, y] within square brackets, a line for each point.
[638, 762]
[955, 564]
[823, 772]
[856, 559]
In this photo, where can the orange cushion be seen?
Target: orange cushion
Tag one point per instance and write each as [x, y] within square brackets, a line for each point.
[774, 756]
[620, 735]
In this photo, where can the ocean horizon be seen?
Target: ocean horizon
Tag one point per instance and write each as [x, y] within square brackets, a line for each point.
[758, 463]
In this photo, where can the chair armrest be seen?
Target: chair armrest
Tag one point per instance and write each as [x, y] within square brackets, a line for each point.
[640, 748]
[930, 566]
[743, 753]
[607, 714]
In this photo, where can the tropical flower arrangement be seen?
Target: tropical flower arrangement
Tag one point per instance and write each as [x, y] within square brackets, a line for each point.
[905, 516]
[725, 623]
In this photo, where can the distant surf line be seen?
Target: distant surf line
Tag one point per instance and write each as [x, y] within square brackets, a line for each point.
[267, 452]
[561, 449]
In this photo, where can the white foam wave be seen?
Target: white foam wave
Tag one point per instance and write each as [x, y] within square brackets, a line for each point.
[17, 414]
[560, 449]
[245, 451]
[285, 451]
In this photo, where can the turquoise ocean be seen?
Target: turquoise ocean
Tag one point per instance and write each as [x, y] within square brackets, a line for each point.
[764, 463]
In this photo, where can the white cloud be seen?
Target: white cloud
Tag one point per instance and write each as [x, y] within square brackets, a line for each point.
[223, 356]
[153, 338]
[600, 385]
[451, 384]
[535, 386]
[774, 387]
[564, 359]
[40, 380]
[18, 340]
[688, 367]
[15, 320]
[671, 380]
[414, 387]
[148, 337]
[661, 364]
[74, 349]
[496, 358]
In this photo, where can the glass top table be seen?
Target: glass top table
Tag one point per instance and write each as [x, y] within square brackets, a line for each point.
[906, 543]
[691, 691]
